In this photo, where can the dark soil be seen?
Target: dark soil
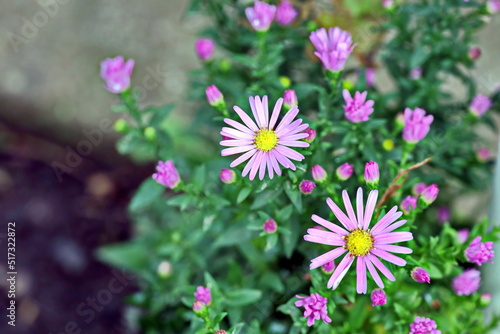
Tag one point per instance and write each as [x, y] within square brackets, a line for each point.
[60, 286]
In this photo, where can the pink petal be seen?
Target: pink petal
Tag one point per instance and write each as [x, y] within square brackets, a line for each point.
[262, 168]
[270, 170]
[283, 160]
[236, 150]
[242, 158]
[284, 132]
[329, 225]
[393, 226]
[370, 207]
[229, 132]
[235, 142]
[323, 241]
[360, 275]
[380, 266]
[256, 165]
[238, 126]
[388, 257]
[374, 272]
[288, 152]
[327, 257]
[255, 109]
[392, 237]
[294, 137]
[246, 119]
[348, 207]
[274, 162]
[276, 112]
[348, 224]
[288, 118]
[394, 249]
[293, 143]
[360, 207]
[388, 218]
[340, 272]
[250, 164]
[265, 109]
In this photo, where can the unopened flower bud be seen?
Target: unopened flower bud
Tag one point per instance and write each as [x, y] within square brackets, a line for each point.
[164, 269]
[121, 126]
[306, 187]
[429, 194]
[227, 176]
[378, 297]
[420, 275]
[318, 173]
[150, 133]
[290, 99]
[270, 226]
[372, 174]
[311, 133]
[344, 171]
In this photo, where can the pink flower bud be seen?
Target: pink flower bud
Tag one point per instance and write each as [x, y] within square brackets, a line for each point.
[420, 275]
[116, 72]
[480, 252]
[290, 98]
[372, 174]
[416, 73]
[493, 6]
[485, 299]
[467, 282]
[357, 109]
[483, 154]
[370, 77]
[203, 295]
[480, 105]
[417, 125]
[344, 171]
[214, 96]
[443, 214]
[227, 176]
[261, 15]
[378, 297]
[418, 188]
[463, 235]
[311, 133]
[221, 331]
[167, 174]
[328, 267]
[306, 187]
[474, 53]
[199, 307]
[408, 204]
[204, 48]
[429, 194]
[270, 226]
[286, 13]
[318, 173]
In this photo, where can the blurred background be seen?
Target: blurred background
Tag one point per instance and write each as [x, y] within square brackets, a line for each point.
[52, 102]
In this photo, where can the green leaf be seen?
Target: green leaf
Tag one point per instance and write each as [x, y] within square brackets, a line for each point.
[290, 239]
[183, 201]
[160, 114]
[199, 177]
[295, 196]
[264, 198]
[130, 256]
[147, 193]
[243, 297]
[419, 56]
[243, 194]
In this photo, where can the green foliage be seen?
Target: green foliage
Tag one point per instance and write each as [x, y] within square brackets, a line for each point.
[211, 233]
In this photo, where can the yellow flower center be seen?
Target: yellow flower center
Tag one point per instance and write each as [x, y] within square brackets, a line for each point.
[265, 140]
[359, 242]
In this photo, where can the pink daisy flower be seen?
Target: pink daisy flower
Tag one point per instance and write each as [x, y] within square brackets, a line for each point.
[359, 241]
[263, 142]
